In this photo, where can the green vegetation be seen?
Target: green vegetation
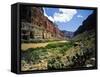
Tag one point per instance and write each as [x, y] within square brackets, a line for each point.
[52, 50]
[61, 55]
[36, 53]
[87, 38]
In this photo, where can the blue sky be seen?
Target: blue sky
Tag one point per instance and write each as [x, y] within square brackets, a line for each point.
[67, 19]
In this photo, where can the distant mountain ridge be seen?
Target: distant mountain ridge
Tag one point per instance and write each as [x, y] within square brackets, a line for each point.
[68, 34]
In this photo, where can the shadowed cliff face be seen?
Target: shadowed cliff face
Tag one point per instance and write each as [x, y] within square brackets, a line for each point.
[85, 35]
[88, 24]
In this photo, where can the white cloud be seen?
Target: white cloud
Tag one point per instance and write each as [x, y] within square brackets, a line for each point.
[45, 13]
[49, 17]
[79, 16]
[64, 15]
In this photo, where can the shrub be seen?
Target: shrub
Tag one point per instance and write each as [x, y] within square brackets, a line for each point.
[23, 62]
[54, 64]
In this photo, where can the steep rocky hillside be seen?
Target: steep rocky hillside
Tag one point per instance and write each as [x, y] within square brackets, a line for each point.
[86, 36]
[88, 24]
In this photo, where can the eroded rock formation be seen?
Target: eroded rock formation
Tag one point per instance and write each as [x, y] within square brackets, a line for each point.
[34, 25]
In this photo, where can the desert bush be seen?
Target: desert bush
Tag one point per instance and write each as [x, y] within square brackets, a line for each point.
[34, 54]
[23, 62]
[55, 45]
[54, 64]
